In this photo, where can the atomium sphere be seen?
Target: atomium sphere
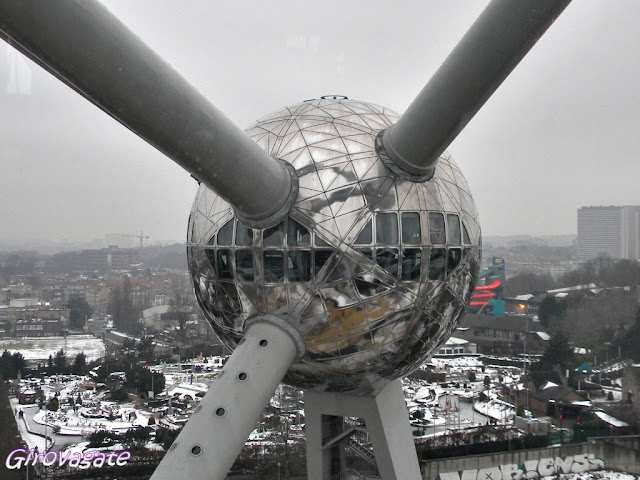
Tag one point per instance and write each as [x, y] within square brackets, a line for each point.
[372, 269]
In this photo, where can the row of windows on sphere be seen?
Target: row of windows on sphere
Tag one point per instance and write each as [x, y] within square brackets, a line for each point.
[296, 264]
[388, 231]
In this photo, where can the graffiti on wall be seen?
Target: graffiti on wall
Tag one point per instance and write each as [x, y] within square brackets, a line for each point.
[530, 469]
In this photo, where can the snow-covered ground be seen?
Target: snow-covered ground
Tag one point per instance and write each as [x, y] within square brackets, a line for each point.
[40, 348]
[500, 411]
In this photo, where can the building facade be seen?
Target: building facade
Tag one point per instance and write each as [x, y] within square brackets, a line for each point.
[611, 230]
[110, 258]
[36, 321]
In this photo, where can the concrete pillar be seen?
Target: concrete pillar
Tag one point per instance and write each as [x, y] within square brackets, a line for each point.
[387, 422]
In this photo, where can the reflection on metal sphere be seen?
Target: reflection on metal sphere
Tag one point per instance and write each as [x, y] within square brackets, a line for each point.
[372, 269]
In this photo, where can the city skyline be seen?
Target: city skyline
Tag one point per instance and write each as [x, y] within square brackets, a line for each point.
[533, 155]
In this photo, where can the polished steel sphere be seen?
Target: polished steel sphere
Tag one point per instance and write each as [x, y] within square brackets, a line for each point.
[372, 269]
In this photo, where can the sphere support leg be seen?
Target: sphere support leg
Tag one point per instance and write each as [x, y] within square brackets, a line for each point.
[386, 421]
[215, 434]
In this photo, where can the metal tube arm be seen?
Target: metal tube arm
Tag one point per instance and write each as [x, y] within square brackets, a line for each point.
[493, 46]
[85, 46]
[215, 434]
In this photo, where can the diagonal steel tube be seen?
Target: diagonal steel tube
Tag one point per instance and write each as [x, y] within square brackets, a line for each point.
[493, 46]
[89, 49]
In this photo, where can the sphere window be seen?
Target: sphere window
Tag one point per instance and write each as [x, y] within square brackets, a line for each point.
[437, 263]
[453, 259]
[244, 265]
[244, 235]
[191, 225]
[225, 270]
[319, 242]
[465, 235]
[370, 286]
[211, 255]
[453, 229]
[367, 252]
[387, 228]
[365, 237]
[273, 266]
[298, 235]
[320, 257]
[225, 235]
[299, 266]
[411, 234]
[436, 228]
[274, 236]
[387, 258]
[411, 263]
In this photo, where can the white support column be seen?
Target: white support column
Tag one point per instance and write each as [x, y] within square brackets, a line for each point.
[214, 436]
[386, 419]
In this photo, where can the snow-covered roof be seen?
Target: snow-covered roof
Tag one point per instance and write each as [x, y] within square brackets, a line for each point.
[568, 289]
[525, 297]
[456, 341]
[610, 420]
[549, 385]
[544, 335]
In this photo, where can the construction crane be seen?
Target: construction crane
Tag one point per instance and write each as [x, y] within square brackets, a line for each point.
[141, 237]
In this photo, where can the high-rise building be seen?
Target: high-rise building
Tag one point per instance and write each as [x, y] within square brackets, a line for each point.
[613, 231]
[110, 258]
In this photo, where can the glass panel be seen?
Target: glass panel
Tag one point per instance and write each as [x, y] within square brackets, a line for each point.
[298, 236]
[436, 263]
[453, 229]
[190, 225]
[387, 228]
[211, 255]
[274, 236]
[411, 228]
[225, 270]
[387, 258]
[453, 260]
[436, 228]
[369, 286]
[299, 266]
[365, 236]
[273, 266]
[465, 235]
[320, 257]
[244, 235]
[320, 242]
[244, 265]
[367, 252]
[225, 234]
[411, 262]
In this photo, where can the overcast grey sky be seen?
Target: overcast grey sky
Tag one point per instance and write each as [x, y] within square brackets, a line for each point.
[562, 131]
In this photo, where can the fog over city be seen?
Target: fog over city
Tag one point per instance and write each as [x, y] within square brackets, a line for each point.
[560, 133]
